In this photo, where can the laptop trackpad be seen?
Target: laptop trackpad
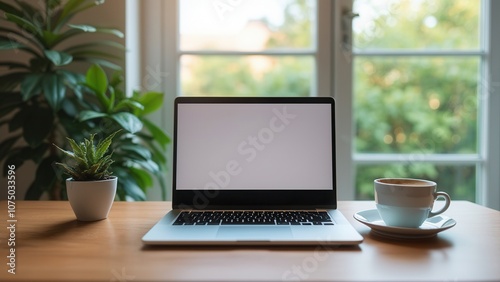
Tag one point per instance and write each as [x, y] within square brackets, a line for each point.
[254, 232]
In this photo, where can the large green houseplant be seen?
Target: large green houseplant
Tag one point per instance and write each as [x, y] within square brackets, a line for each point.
[139, 147]
[44, 98]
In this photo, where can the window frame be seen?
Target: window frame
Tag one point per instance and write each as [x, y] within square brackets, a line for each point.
[154, 64]
[320, 51]
[486, 194]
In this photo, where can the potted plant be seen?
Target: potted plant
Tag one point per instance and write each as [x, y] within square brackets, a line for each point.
[91, 188]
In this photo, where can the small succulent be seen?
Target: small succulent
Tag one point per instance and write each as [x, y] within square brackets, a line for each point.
[88, 162]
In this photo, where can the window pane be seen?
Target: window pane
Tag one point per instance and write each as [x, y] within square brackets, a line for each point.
[409, 24]
[457, 181]
[247, 25]
[247, 75]
[425, 105]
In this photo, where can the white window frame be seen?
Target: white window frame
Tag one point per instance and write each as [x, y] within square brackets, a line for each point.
[154, 64]
[487, 169]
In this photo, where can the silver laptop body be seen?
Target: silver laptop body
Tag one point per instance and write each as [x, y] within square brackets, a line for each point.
[253, 156]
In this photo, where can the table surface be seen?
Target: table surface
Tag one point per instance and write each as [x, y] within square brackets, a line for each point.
[52, 246]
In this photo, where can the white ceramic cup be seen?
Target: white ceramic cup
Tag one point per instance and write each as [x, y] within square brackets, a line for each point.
[407, 202]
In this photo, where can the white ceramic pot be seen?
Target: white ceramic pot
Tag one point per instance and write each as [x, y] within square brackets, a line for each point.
[91, 200]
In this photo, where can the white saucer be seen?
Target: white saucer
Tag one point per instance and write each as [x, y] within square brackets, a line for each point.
[429, 228]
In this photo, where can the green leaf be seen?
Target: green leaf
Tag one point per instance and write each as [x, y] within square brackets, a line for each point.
[86, 115]
[103, 167]
[151, 101]
[24, 24]
[158, 154]
[103, 146]
[58, 58]
[83, 27]
[93, 29]
[131, 188]
[112, 98]
[116, 79]
[142, 177]
[101, 62]
[79, 157]
[97, 45]
[69, 108]
[69, 10]
[31, 86]
[66, 152]
[66, 35]
[73, 81]
[148, 165]
[157, 133]
[8, 44]
[68, 170]
[37, 125]
[21, 37]
[52, 4]
[54, 90]
[89, 144]
[70, 123]
[96, 79]
[124, 104]
[71, 6]
[10, 32]
[10, 9]
[139, 151]
[74, 146]
[50, 39]
[127, 121]
[74, 78]
[32, 13]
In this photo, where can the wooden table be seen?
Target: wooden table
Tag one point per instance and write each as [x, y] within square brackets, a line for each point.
[52, 246]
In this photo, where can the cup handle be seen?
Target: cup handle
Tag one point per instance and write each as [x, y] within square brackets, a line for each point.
[446, 205]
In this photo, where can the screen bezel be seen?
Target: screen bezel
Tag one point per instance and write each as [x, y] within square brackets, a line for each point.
[203, 199]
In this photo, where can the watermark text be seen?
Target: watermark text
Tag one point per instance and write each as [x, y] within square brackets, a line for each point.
[11, 221]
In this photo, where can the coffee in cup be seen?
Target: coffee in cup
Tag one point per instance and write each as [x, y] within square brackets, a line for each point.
[407, 202]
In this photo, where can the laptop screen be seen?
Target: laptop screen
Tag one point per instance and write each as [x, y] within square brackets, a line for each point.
[254, 151]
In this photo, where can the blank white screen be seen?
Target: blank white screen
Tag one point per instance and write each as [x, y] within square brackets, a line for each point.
[254, 146]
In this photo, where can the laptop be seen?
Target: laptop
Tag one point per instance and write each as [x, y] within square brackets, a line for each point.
[253, 171]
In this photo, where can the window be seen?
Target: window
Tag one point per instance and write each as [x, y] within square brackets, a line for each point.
[417, 83]
[257, 48]
[415, 86]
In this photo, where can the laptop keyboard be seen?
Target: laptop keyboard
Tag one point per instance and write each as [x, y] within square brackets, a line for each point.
[253, 218]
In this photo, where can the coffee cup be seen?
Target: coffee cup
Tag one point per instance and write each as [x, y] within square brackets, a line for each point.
[407, 202]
